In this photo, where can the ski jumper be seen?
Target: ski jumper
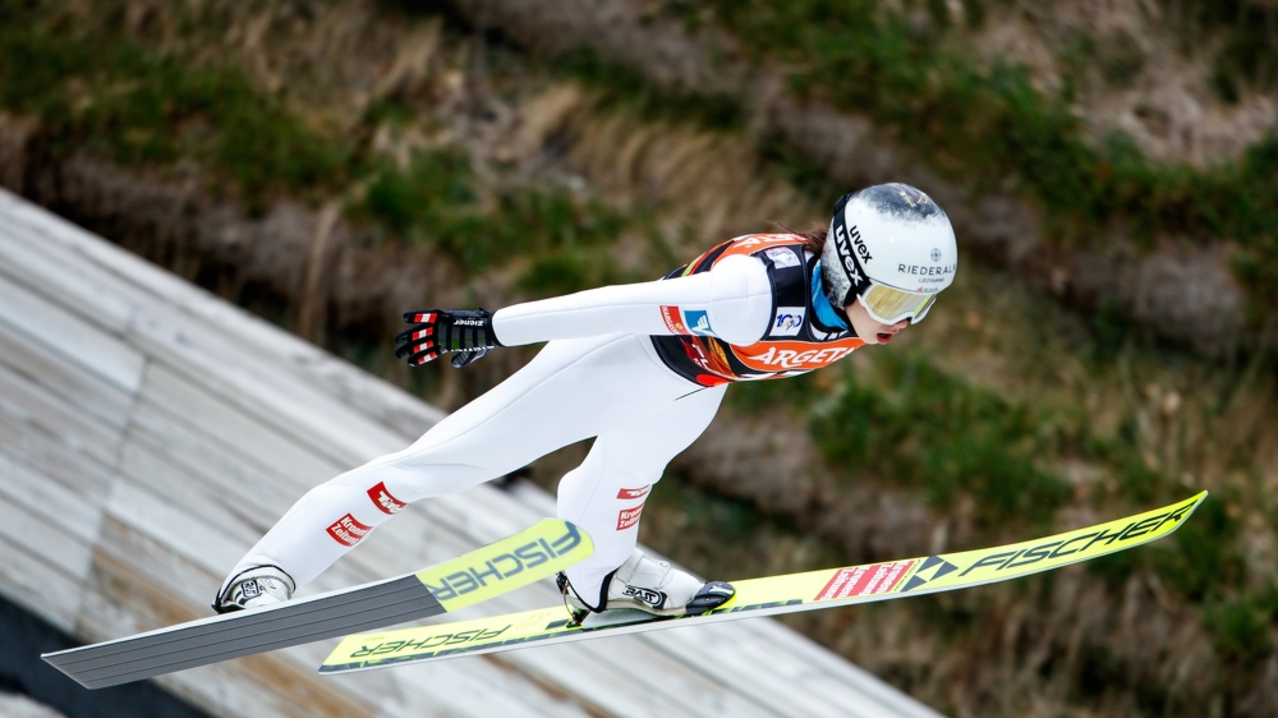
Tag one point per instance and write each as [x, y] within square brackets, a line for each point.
[641, 368]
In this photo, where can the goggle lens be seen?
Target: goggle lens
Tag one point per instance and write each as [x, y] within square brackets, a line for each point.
[889, 306]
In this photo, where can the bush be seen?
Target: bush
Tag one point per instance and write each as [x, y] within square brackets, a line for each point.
[924, 428]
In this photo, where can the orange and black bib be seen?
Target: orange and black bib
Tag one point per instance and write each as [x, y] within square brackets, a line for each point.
[796, 341]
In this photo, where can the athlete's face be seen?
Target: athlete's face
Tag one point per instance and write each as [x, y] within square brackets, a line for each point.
[871, 330]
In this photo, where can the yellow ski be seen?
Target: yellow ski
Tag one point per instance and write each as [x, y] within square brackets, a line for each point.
[767, 596]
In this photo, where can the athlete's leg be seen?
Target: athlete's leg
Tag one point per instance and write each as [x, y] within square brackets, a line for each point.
[605, 495]
[569, 392]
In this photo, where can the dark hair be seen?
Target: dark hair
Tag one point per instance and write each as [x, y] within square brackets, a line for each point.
[813, 240]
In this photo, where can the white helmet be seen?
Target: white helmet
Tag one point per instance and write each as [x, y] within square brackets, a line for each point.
[893, 247]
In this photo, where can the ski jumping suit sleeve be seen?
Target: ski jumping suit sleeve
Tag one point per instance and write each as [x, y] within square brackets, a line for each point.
[619, 368]
[735, 298]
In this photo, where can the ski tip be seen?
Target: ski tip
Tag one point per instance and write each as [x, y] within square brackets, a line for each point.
[1197, 499]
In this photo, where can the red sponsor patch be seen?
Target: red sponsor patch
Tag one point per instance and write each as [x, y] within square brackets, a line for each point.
[788, 355]
[628, 517]
[639, 493]
[864, 580]
[383, 500]
[674, 320]
[347, 531]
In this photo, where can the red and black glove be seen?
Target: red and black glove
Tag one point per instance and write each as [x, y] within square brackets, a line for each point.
[466, 332]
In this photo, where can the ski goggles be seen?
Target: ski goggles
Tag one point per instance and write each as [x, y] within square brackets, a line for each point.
[889, 305]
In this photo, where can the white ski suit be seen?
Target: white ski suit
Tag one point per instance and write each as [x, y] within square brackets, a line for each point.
[640, 368]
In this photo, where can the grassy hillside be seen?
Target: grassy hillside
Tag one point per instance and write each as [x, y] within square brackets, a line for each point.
[462, 159]
[910, 69]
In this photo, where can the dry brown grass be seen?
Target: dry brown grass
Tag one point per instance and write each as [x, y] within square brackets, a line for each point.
[711, 181]
[1139, 77]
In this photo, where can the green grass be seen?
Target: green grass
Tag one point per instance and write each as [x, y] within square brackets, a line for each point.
[917, 426]
[438, 202]
[99, 91]
[993, 126]
[1240, 632]
[94, 89]
[625, 88]
[1249, 32]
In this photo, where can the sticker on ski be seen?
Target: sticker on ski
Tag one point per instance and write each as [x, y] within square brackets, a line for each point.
[768, 596]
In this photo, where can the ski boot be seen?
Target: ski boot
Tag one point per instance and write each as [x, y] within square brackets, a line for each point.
[255, 588]
[648, 585]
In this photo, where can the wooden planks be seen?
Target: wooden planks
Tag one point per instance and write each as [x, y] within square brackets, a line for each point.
[149, 433]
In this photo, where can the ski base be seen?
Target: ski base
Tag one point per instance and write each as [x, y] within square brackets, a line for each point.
[767, 596]
[511, 563]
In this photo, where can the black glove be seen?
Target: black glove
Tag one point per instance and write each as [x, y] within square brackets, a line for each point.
[468, 332]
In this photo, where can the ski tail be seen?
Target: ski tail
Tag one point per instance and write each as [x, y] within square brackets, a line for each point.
[516, 561]
[769, 596]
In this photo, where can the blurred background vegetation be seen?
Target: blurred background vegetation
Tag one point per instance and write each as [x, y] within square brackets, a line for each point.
[330, 163]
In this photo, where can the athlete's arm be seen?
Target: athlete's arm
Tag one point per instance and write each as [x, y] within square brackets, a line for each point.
[734, 298]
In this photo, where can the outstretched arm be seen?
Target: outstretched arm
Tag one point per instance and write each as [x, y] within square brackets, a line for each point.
[733, 302]
[734, 298]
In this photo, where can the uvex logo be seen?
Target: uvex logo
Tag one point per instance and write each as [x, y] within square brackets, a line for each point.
[845, 253]
[504, 566]
[861, 249]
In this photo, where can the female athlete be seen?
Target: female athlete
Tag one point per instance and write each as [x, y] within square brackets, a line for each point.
[641, 369]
